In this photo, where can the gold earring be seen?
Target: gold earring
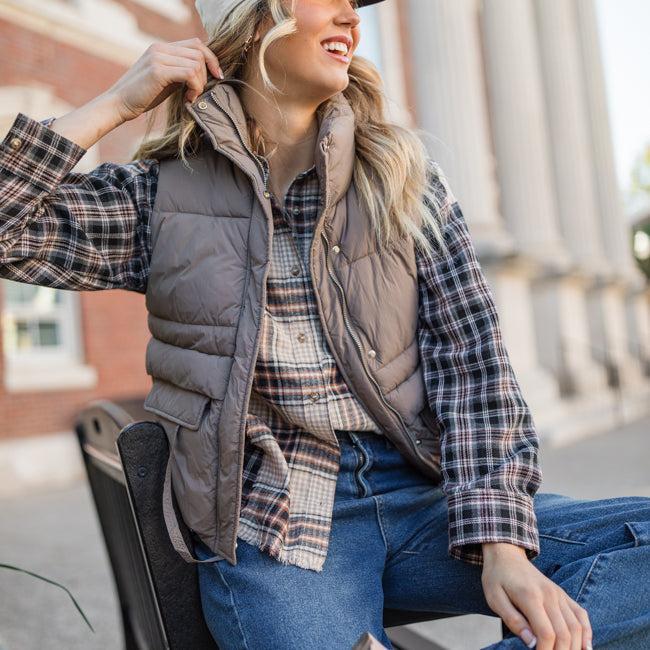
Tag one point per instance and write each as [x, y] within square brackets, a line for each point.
[247, 43]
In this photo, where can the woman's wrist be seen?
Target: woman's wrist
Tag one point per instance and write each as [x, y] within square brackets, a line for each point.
[89, 123]
[495, 550]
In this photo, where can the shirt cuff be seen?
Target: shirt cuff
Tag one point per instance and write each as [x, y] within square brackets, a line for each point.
[490, 515]
[37, 154]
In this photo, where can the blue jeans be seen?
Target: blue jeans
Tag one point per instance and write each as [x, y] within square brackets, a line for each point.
[388, 548]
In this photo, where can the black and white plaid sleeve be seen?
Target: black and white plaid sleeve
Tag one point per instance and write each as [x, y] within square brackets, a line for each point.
[489, 444]
[71, 230]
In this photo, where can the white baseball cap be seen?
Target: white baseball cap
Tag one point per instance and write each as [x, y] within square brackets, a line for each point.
[213, 12]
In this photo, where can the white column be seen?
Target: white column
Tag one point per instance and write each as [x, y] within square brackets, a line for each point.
[562, 304]
[615, 230]
[451, 106]
[570, 133]
[607, 303]
[520, 132]
[522, 143]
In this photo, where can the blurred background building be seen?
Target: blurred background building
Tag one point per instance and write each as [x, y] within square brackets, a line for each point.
[512, 97]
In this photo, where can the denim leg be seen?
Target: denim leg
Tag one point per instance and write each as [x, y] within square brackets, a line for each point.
[262, 604]
[597, 550]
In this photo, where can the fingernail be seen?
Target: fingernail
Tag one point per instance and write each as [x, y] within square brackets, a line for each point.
[221, 74]
[528, 638]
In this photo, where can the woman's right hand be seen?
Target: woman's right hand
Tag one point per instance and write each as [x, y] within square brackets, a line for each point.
[159, 72]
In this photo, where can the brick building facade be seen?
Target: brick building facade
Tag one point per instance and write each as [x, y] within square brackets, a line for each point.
[62, 349]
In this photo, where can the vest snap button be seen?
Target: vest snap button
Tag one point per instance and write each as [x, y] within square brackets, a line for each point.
[336, 249]
[418, 441]
[202, 105]
[15, 143]
[372, 354]
[267, 194]
[314, 397]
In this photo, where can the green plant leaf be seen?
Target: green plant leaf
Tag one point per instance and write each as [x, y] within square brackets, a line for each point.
[15, 568]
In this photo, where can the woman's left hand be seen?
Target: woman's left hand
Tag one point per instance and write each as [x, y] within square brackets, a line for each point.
[526, 600]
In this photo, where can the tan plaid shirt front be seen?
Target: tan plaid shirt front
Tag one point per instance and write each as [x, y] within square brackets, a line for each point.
[299, 399]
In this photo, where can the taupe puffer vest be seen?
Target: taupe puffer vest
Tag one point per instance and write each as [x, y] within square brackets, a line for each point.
[211, 234]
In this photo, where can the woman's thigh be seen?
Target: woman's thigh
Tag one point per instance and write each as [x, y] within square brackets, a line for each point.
[421, 575]
[261, 603]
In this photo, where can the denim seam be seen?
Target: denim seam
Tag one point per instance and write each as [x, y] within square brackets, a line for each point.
[563, 539]
[234, 606]
[350, 475]
[589, 577]
[380, 518]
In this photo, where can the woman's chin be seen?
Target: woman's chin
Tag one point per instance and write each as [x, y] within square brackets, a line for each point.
[333, 83]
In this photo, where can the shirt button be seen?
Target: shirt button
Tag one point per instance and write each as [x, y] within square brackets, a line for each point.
[418, 441]
[15, 143]
[336, 249]
[295, 270]
[372, 354]
[314, 397]
[296, 210]
[301, 337]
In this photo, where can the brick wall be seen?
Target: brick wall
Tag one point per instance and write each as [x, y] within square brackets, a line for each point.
[114, 323]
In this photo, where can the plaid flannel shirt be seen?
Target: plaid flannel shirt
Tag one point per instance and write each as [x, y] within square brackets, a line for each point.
[90, 231]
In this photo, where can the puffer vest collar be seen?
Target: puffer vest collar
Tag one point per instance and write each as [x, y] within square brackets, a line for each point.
[224, 121]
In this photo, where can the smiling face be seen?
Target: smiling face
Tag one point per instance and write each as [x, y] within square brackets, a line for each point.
[313, 62]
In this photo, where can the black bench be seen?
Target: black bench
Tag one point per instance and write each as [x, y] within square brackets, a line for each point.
[125, 455]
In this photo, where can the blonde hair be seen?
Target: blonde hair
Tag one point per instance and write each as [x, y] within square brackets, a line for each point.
[399, 186]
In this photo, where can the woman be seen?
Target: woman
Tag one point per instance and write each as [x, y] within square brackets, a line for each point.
[382, 436]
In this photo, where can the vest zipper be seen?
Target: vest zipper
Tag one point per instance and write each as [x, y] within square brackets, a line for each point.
[357, 341]
[249, 378]
[243, 141]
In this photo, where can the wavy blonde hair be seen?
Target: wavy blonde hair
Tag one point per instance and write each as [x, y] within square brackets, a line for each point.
[399, 186]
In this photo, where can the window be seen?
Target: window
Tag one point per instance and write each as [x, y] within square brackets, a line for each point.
[36, 322]
[40, 326]
[41, 339]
